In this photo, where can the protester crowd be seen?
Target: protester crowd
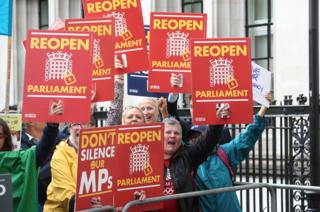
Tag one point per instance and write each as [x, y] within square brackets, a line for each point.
[193, 157]
[44, 170]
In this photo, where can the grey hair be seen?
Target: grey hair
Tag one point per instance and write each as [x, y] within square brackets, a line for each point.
[173, 122]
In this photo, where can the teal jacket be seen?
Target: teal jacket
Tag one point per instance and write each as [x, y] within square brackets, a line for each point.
[214, 174]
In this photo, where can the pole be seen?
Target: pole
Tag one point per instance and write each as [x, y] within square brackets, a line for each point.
[314, 197]
[53, 9]
[8, 76]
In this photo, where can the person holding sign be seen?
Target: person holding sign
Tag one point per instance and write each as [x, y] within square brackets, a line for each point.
[181, 160]
[62, 189]
[217, 170]
[23, 164]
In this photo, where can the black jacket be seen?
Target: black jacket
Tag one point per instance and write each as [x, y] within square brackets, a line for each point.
[44, 177]
[26, 143]
[173, 111]
[187, 158]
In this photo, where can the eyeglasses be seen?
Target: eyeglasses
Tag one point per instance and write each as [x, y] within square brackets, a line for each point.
[2, 136]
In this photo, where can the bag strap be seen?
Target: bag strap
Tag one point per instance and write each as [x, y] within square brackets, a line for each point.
[223, 156]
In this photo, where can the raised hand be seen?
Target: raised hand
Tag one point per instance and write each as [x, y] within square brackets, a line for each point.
[163, 107]
[56, 108]
[176, 80]
[264, 109]
[223, 111]
[139, 195]
[96, 202]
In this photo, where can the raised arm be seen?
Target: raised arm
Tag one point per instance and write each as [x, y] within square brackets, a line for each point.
[239, 148]
[115, 109]
[204, 145]
[116, 106]
[264, 109]
[50, 133]
[163, 107]
[173, 112]
[173, 105]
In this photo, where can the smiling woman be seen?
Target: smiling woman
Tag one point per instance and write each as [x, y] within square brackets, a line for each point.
[150, 109]
[132, 115]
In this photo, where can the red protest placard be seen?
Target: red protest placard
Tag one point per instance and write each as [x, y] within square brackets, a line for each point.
[114, 162]
[58, 69]
[140, 155]
[103, 54]
[130, 39]
[221, 75]
[96, 172]
[170, 35]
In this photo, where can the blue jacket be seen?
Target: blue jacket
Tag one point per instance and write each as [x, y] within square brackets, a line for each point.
[214, 174]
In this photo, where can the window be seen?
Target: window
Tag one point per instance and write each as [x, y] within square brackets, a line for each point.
[259, 29]
[192, 6]
[43, 14]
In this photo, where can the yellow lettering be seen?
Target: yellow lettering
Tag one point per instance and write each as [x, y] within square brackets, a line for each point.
[97, 139]
[171, 64]
[139, 137]
[181, 24]
[223, 50]
[91, 7]
[55, 89]
[100, 30]
[60, 43]
[221, 93]
[105, 6]
[101, 72]
[128, 44]
[138, 181]
[34, 43]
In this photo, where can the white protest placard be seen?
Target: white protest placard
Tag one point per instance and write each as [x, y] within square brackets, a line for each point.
[261, 82]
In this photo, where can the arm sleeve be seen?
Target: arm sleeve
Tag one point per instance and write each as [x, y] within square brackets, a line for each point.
[225, 136]
[239, 148]
[47, 143]
[172, 108]
[173, 97]
[115, 109]
[62, 181]
[173, 112]
[204, 145]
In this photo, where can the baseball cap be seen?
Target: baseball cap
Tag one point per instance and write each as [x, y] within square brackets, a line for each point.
[196, 129]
